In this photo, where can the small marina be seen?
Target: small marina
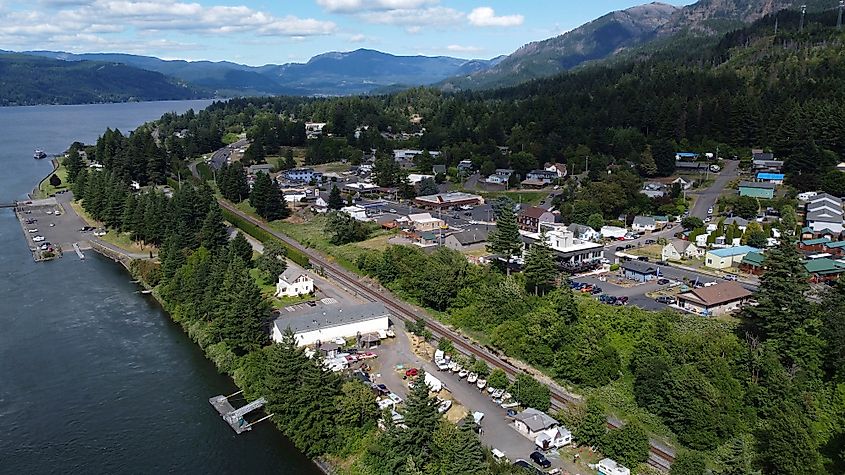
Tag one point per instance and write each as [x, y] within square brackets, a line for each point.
[235, 417]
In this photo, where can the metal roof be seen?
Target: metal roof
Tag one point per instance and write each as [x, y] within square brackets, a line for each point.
[331, 316]
[770, 176]
[733, 251]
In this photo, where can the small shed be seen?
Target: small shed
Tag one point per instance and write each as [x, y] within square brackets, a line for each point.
[639, 271]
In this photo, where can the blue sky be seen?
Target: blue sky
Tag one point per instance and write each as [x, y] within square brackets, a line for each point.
[265, 31]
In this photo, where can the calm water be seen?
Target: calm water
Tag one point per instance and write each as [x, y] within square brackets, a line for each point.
[94, 377]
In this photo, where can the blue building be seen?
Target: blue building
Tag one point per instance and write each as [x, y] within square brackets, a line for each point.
[776, 178]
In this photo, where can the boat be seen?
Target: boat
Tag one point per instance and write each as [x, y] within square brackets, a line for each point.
[490, 389]
[472, 378]
[457, 368]
[463, 373]
[39, 154]
[481, 383]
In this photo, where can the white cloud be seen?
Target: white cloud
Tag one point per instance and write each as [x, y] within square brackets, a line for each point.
[358, 38]
[434, 16]
[486, 16]
[463, 49]
[356, 6]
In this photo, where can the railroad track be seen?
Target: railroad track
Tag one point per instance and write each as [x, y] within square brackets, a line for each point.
[659, 455]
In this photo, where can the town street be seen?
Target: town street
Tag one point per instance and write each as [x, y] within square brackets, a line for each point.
[706, 199]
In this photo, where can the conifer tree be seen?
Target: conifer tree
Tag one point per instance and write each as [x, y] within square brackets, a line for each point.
[593, 426]
[422, 419]
[213, 233]
[273, 261]
[505, 239]
[240, 310]
[335, 200]
[260, 193]
[285, 361]
[73, 164]
[540, 267]
[316, 409]
[241, 248]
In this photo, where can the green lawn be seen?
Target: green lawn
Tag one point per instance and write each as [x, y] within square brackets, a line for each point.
[45, 189]
[269, 291]
[121, 240]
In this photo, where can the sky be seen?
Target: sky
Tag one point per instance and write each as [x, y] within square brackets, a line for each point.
[257, 32]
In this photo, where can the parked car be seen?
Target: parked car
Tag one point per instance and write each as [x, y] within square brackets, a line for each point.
[665, 299]
[663, 281]
[526, 467]
[650, 241]
[730, 277]
[540, 459]
[710, 210]
[33, 230]
[643, 258]
[620, 248]
[662, 263]
[621, 300]
[411, 372]
[38, 239]
[596, 290]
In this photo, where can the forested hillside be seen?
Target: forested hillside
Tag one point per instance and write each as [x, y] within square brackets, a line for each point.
[28, 80]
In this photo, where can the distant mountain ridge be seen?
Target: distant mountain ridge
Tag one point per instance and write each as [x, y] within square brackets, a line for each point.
[620, 31]
[334, 73]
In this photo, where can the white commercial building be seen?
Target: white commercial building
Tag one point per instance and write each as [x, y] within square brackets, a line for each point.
[332, 322]
[293, 282]
[613, 232]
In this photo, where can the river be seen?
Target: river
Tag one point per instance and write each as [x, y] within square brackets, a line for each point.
[94, 377]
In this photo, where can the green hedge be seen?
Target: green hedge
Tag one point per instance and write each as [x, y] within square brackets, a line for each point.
[293, 254]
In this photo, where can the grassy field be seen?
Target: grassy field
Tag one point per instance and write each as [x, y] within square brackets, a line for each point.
[269, 291]
[45, 189]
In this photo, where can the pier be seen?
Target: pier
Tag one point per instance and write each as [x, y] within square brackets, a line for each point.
[235, 417]
[78, 251]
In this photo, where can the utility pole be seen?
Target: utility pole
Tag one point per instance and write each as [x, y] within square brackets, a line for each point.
[803, 12]
[839, 18]
[587, 164]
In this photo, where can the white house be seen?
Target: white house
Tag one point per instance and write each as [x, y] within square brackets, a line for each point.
[701, 240]
[293, 282]
[553, 438]
[356, 212]
[670, 252]
[414, 178]
[611, 467]
[332, 322]
[533, 422]
[425, 222]
[558, 168]
[501, 176]
[613, 232]
[583, 232]
[643, 223]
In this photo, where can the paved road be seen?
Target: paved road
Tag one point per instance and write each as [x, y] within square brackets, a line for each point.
[220, 156]
[707, 198]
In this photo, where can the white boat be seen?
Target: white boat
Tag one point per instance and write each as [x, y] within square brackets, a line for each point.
[472, 378]
[444, 406]
[457, 368]
[463, 373]
[453, 365]
[509, 405]
[481, 383]
[506, 396]
[498, 393]
[39, 154]
[442, 365]
[490, 389]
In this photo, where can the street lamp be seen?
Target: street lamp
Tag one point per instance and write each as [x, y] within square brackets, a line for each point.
[803, 12]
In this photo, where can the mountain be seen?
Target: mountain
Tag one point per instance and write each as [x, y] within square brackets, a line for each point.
[31, 80]
[624, 31]
[335, 73]
[597, 39]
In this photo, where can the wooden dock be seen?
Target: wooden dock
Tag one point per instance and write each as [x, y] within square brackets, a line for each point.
[235, 417]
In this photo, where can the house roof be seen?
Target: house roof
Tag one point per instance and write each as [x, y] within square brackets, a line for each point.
[736, 219]
[639, 267]
[825, 196]
[536, 420]
[752, 184]
[292, 273]
[824, 266]
[814, 242]
[692, 165]
[754, 259]
[828, 216]
[770, 176]
[835, 244]
[733, 251]
[718, 294]
[533, 212]
[644, 220]
[473, 235]
[533, 182]
[331, 316]
[439, 169]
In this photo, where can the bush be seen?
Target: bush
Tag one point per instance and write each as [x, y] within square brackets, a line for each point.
[258, 233]
[614, 267]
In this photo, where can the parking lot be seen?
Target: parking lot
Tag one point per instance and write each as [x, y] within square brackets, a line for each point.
[635, 292]
[50, 218]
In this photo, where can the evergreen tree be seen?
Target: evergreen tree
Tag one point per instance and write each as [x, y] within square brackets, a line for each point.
[173, 257]
[213, 233]
[241, 248]
[55, 181]
[458, 450]
[335, 200]
[422, 419]
[689, 463]
[540, 267]
[788, 443]
[285, 363]
[130, 211]
[315, 401]
[648, 167]
[240, 310]
[428, 187]
[505, 239]
[73, 163]
[357, 406]
[79, 183]
[737, 459]
[276, 207]
[833, 320]
[260, 194]
[289, 162]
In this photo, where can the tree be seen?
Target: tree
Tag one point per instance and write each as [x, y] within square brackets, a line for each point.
[343, 229]
[648, 166]
[833, 319]
[781, 304]
[498, 379]
[357, 406]
[422, 420]
[664, 157]
[595, 221]
[240, 247]
[627, 445]
[788, 220]
[239, 310]
[737, 459]
[540, 266]
[427, 187]
[267, 199]
[458, 450]
[689, 463]
[788, 444]
[213, 234]
[314, 423]
[692, 222]
[73, 164]
[335, 200]
[593, 426]
[746, 207]
[505, 239]
[530, 392]
[55, 180]
[272, 263]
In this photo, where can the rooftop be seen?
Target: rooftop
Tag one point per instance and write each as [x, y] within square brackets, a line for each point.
[824, 265]
[536, 420]
[754, 259]
[452, 197]
[718, 294]
[770, 176]
[533, 212]
[814, 242]
[733, 251]
[639, 267]
[752, 184]
[333, 316]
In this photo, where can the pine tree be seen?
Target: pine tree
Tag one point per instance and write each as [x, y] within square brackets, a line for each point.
[833, 319]
[213, 233]
[422, 419]
[130, 208]
[260, 193]
[285, 362]
[788, 443]
[737, 459]
[316, 406]
[593, 426]
[73, 164]
[540, 267]
[505, 239]
[272, 262]
[335, 200]
[276, 207]
[241, 310]
[173, 257]
[648, 166]
[241, 248]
